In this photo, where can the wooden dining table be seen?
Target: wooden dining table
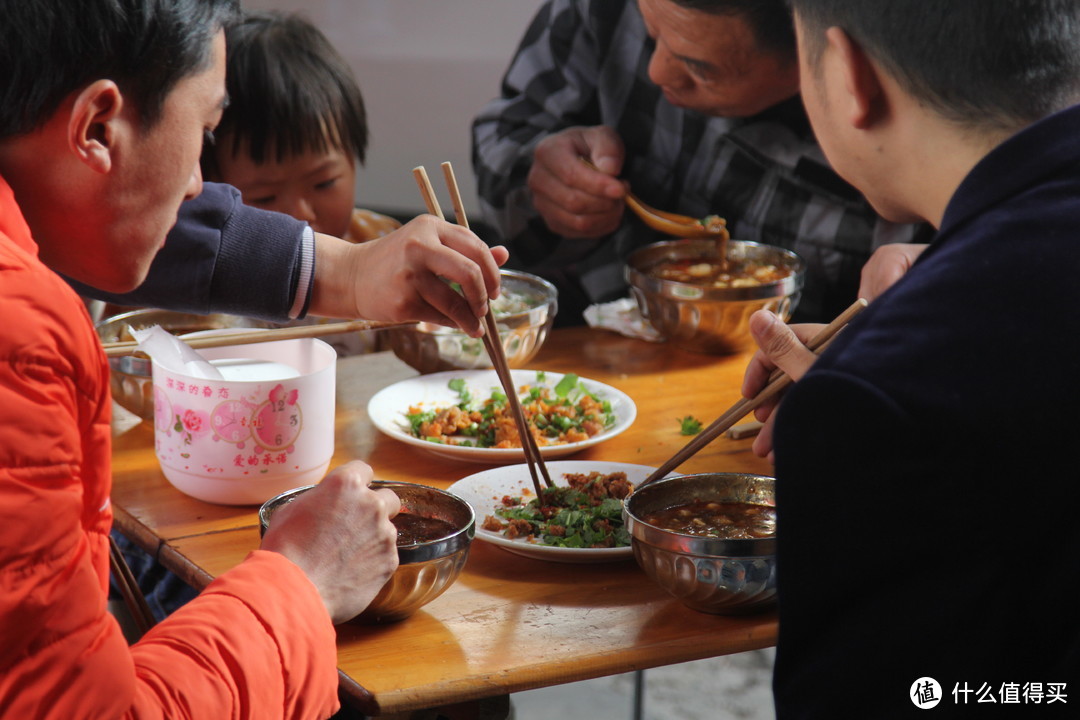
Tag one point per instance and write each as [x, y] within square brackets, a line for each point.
[508, 623]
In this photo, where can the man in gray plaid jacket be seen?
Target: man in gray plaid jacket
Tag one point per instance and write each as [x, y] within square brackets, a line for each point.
[696, 104]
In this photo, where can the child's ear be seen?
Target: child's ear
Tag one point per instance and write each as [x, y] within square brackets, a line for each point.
[95, 124]
[862, 86]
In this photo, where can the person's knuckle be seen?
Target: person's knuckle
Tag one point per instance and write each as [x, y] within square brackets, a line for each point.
[781, 342]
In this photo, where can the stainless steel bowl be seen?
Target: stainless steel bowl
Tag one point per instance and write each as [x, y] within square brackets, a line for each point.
[722, 577]
[130, 380]
[429, 348]
[425, 570]
[703, 319]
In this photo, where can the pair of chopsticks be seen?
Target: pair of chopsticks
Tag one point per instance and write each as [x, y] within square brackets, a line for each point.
[492, 342]
[248, 337]
[129, 589]
[778, 381]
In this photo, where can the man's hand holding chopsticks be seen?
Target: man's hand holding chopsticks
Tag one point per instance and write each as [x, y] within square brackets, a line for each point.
[405, 276]
[780, 346]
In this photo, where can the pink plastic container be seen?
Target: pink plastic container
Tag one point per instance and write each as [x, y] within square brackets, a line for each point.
[268, 427]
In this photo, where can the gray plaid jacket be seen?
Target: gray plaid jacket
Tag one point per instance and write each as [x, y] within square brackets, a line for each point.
[584, 63]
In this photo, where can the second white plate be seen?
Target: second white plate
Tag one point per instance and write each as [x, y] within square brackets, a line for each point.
[484, 492]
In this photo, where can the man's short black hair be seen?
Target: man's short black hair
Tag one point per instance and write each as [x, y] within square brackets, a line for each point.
[289, 92]
[769, 20]
[52, 48]
[981, 63]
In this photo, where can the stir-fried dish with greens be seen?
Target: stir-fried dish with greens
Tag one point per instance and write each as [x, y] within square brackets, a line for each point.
[585, 514]
[564, 413]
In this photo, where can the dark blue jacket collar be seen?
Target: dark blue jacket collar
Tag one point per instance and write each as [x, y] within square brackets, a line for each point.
[1043, 149]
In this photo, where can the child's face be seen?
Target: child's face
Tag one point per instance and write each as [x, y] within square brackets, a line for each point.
[315, 187]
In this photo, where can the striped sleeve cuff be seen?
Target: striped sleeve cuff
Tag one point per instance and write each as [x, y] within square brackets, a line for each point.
[304, 282]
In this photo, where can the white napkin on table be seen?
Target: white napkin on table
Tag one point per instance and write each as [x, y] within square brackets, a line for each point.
[623, 317]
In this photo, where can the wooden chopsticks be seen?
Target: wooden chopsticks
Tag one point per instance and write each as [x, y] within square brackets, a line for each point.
[778, 380]
[492, 342]
[247, 337]
[129, 589]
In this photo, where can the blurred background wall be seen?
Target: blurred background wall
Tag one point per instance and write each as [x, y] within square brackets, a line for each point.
[425, 68]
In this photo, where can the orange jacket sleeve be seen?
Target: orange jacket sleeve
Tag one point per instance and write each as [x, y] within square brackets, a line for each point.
[257, 643]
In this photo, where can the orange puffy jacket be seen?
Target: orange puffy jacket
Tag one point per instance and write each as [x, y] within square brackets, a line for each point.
[257, 643]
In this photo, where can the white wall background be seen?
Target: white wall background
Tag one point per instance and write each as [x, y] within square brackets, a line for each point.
[425, 68]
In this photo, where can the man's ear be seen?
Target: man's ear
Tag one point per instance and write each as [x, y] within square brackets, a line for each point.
[94, 124]
[864, 96]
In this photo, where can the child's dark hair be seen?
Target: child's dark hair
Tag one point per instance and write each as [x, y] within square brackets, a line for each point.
[289, 92]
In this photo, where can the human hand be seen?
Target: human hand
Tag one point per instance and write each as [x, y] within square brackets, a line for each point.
[575, 200]
[887, 265]
[780, 346]
[339, 533]
[405, 275]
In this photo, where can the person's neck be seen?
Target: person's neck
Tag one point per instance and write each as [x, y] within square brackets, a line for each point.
[789, 112]
[932, 157]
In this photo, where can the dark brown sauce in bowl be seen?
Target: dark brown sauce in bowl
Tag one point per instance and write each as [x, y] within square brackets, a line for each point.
[414, 529]
[722, 520]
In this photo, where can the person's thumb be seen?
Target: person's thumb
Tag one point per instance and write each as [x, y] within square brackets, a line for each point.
[605, 149]
[779, 343]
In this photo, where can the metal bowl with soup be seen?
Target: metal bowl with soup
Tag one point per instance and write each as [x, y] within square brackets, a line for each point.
[702, 300]
[435, 531]
[708, 539]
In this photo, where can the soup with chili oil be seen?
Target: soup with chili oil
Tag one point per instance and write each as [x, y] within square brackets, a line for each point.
[725, 520]
[414, 529]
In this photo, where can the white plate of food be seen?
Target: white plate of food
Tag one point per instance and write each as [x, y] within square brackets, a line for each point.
[485, 491]
[419, 411]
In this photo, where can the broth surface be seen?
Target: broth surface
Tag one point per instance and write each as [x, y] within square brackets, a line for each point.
[727, 520]
[710, 272]
[414, 529]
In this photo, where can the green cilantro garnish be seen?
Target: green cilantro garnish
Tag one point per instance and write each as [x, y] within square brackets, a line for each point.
[464, 396]
[690, 425]
[568, 383]
[576, 522]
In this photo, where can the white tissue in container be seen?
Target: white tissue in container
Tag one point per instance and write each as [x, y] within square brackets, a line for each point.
[242, 441]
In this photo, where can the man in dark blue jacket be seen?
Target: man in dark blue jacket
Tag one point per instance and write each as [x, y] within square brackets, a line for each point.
[927, 472]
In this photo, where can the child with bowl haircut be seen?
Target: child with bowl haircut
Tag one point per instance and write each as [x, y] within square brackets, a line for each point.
[293, 133]
[295, 127]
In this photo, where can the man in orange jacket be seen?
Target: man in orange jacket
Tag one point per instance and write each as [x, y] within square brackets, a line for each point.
[103, 110]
